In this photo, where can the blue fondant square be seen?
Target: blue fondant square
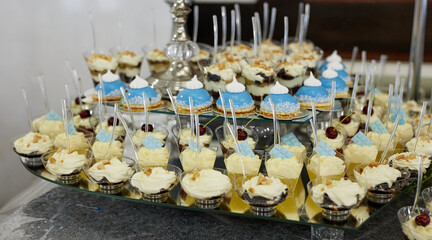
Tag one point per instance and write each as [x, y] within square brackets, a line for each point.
[245, 149]
[53, 116]
[401, 121]
[361, 139]
[291, 140]
[376, 91]
[103, 136]
[324, 150]
[193, 146]
[280, 152]
[71, 128]
[151, 143]
[378, 127]
[395, 110]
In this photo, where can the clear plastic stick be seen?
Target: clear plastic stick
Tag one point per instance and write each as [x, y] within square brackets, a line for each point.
[68, 97]
[410, 80]
[215, 38]
[224, 26]
[417, 134]
[129, 135]
[369, 112]
[195, 23]
[300, 12]
[44, 92]
[65, 121]
[233, 28]
[191, 115]
[258, 27]
[354, 93]
[353, 58]
[383, 60]
[29, 116]
[113, 128]
[419, 181]
[393, 132]
[300, 39]
[272, 23]
[238, 22]
[174, 107]
[389, 103]
[197, 135]
[100, 106]
[265, 19]
[275, 128]
[285, 41]
[92, 26]
[363, 63]
[146, 112]
[332, 101]
[75, 83]
[306, 20]
[255, 37]
[233, 117]
[126, 100]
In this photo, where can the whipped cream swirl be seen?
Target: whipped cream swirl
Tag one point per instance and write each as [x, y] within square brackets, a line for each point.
[194, 83]
[329, 73]
[334, 57]
[311, 81]
[138, 82]
[235, 86]
[278, 89]
[110, 77]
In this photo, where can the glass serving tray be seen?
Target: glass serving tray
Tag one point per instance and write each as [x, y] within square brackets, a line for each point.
[298, 208]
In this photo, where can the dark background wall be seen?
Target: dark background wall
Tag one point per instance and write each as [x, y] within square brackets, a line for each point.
[379, 27]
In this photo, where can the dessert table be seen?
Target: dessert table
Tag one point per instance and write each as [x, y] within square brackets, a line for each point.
[66, 214]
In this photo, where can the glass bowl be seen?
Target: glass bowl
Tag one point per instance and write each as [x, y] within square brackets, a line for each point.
[156, 190]
[95, 72]
[406, 216]
[427, 197]
[336, 144]
[127, 70]
[153, 158]
[221, 134]
[71, 177]
[159, 132]
[259, 205]
[33, 159]
[183, 141]
[332, 211]
[108, 187]
[203, 199]
[330, 170]
[382, 193]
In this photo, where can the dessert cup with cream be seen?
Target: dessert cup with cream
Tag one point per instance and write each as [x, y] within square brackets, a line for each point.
[157, 61]
[411, 227]
[155, 183]
[85, 120]
[183, 137]
[336, 197]
[410, 162]
[424, 145]
[67, 164]
[381, 180]
[331, 167]
[156, 130]
[334, 137]
[75, 141]
[129, 63]
[111, 174]
[259, 77]
[31, 146]
[263, 193]
[204, 159]
[227, 141]
[207, 186]
[99, 63]
[50, 124]
[360, 150]
[217, 76]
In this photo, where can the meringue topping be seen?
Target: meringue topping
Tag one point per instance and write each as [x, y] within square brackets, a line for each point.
[194, 83]
[311, 81]
[235, 86]
[110, 77]
[138, 82]
[278, 89]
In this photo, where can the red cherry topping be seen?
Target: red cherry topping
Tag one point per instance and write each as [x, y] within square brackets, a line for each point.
[202, 130]
[344, 119]
[331, 132]
[241, 134]
[422, 220]
[85, 114]
[77, 100]
[150, 127]
[365, 108]
[111, 121]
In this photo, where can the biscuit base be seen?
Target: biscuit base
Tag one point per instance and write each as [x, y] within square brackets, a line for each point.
[186, 110]
[140, 107]
[106, 99]
[243, 112]
[285, 116]
[321, 106]
[342, 95]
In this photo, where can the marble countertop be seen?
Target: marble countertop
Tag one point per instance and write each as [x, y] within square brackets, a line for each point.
[67, 214]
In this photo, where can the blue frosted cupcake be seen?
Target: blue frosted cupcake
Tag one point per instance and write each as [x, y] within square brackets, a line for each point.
[111, 85]
[342, 74]
[312, 91]
[202, 101]
[334, 57]
[135, 96]
[286, 105]
[328, 76]
[242, 100]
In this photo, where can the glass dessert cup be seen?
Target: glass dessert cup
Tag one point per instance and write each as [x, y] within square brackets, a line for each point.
[112, 188]
[106, 154]
[95, 72]
[382, 193]
[75, 176]
[159, 132]
[150, 194]
[32, 160]
[261, 206]
[77, 108]
[312, 172]
[427, 197]
[153, 160]
[127, 70]
[412, 168]
[156, 67]
[182, 142]
[406, 215]
[351, 128]
[337, 143]
[330, 210]
[212, 202]
[197, 162]
[221, 135]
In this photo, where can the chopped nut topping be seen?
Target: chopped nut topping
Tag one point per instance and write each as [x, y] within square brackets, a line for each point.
[94, 57]
[148, 172]
[101, 167]
[262, 180]
[62, 161]
[52, 160]
[28, 144]
[36, 138]
[125, 53]
[375, 164]
[70, 151]
[195, 175]
[251, 190]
